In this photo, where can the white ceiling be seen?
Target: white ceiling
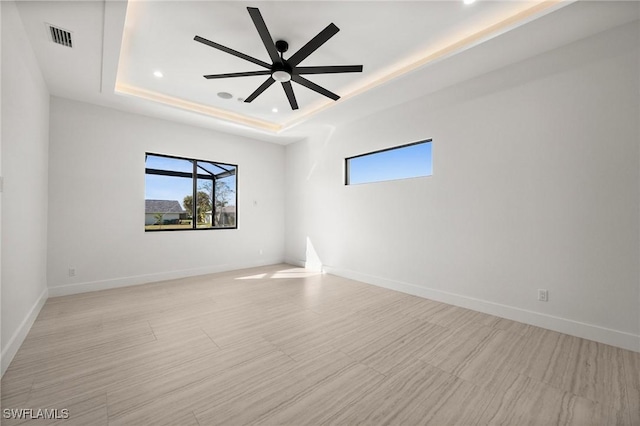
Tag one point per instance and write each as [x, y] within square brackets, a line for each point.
[408, 49]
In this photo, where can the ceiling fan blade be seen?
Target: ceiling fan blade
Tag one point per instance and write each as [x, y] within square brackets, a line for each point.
[237, 74]
[232, 52]
[260, 89]
[328, 69]
[313, 44]
[311, 85]
[256, 16]
[289, 91]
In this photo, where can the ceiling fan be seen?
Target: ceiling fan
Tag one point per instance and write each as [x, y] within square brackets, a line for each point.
[280, 69]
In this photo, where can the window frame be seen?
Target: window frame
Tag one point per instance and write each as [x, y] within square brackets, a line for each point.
[194, 161]
[347, 169]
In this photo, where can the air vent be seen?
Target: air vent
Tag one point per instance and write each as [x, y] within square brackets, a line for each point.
[60, 36]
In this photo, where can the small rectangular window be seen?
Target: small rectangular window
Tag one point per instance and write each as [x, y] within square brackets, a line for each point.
[401, 162]
[171, 185]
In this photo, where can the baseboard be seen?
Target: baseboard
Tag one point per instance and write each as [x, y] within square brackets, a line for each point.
[18, 337]
[575, 328]
[304, 264]
[68, 289]
[294, 262]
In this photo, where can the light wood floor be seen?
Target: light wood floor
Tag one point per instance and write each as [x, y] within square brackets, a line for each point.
[278, 345]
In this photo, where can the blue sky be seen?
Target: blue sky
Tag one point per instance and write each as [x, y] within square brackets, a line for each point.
[159, 187]
[167, 188]
[406, 162]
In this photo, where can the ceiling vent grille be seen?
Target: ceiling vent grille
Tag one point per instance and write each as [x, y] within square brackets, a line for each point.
[60, 36]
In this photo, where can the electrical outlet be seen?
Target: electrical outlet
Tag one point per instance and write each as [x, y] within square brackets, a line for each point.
[543, 295]
[72, 272]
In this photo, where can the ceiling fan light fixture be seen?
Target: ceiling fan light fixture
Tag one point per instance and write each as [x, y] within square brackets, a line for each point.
[281, 76]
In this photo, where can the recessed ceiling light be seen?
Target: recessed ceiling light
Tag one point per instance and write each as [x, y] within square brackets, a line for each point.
[469, 1]
[158, 74]
[225, 95]
[274, 110]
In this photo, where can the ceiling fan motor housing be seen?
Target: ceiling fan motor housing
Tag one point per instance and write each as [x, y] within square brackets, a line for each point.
[281, 66]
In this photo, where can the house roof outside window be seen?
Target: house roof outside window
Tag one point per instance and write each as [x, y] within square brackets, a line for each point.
[163, 206]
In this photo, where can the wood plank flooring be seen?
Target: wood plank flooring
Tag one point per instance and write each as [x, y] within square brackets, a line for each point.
[281, 345]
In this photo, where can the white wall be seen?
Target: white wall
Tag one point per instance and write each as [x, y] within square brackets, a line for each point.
[535, 185]
[96, 201]
[25, 135]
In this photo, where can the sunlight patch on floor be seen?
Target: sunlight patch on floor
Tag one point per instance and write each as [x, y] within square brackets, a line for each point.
[252, 277]
[294, 273]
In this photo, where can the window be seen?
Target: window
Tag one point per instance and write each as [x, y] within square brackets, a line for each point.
[401, 162]
[171, 186]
